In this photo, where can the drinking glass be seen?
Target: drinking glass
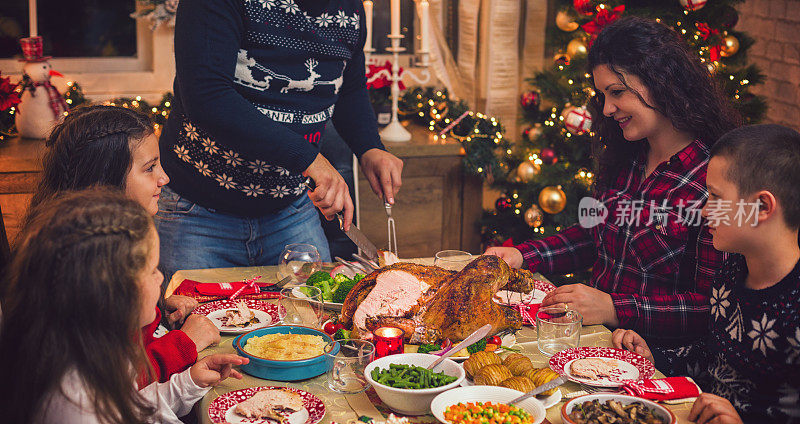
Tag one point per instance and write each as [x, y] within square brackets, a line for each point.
[454, 260]
[346, 367]
[301, 306]
[299, 261]
[557, 329]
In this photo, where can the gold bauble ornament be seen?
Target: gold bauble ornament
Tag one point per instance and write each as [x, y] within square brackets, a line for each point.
[552, 199]
[565, 22]
[730, 46]
[577, 47]
[561, 59]
[527, 170]
[534, 216]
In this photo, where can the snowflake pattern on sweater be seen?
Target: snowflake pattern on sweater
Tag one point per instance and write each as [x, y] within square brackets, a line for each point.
[752, 354]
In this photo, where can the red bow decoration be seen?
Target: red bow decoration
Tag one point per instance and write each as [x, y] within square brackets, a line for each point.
[383, 80]
[8, 96]
[706, 32]
[508, 243]
[604, 17]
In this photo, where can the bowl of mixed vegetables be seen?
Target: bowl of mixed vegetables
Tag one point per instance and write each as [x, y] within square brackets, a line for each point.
[334, 286]
[406, 386]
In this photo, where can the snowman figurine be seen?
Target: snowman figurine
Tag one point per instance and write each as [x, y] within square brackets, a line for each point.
[41, 106]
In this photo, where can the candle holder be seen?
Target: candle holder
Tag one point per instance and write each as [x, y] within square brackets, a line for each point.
[388, 341]
[395, 132]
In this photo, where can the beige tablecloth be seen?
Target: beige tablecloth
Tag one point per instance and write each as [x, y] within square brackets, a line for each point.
[342, 409]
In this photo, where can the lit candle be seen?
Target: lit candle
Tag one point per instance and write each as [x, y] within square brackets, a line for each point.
[395, 15]
[422, 10]
[368, 15]
[32, 17]
[388, 341]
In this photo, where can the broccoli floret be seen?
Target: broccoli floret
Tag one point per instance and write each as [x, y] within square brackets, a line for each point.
[358, 277]
[425, 348]
[325, 287]
[340, 278]
[477, 346]
[317, 277]
[342, 289]
[341, 334]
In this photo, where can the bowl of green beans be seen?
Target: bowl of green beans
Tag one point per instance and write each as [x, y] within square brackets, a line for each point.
[405, 385]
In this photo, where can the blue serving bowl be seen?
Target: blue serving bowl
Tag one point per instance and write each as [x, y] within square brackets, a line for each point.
[270, 369]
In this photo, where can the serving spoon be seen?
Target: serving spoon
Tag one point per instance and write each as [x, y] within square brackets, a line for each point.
[472, 338]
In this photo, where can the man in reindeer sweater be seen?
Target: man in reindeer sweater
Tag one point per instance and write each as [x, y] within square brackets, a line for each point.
[256, 83]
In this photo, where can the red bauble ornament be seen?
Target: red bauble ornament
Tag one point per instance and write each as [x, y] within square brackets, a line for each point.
[548, 156]
[502, 204]
[691, 5]
[530, 100]
[584, 7]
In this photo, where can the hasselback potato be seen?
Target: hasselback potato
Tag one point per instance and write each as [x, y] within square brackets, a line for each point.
[517, 363]
[478, 360]
[523, 384]
[492, 375]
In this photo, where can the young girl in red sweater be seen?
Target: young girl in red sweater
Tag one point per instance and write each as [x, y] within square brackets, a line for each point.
[116, 147]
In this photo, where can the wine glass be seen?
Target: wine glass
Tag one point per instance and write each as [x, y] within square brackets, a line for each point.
[453, 260]
[299, 261]
[301, 306]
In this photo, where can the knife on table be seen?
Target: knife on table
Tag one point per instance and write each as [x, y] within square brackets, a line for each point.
[367, 247]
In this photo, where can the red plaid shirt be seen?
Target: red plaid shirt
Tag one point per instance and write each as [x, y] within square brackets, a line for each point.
[658, 274]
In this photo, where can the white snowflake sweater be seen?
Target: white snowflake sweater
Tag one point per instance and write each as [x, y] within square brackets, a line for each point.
[256, 82]
[752, 354]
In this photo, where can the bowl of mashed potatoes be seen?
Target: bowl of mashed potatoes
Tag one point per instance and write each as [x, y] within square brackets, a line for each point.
[284, 352]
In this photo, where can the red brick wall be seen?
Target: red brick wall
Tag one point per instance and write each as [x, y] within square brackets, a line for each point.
[775, 25]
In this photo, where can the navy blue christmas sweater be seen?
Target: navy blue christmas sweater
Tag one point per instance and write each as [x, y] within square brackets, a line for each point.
[256, 83]
[751, 355]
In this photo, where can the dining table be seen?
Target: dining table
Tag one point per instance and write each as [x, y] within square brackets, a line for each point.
[344, 409]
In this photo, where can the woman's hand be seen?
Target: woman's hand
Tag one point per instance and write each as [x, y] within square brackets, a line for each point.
[212, 369]
[713, 409]
[595, 305]
[179, 307]
[511, 255]
[201, 330]
[631, 340]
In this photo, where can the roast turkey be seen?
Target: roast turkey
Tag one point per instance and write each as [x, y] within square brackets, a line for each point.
[430, 303]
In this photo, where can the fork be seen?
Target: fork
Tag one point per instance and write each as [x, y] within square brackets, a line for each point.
[392, 232]
[594, 389]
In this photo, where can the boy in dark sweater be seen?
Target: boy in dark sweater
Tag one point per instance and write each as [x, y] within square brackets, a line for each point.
[750, 361]
[256, 82]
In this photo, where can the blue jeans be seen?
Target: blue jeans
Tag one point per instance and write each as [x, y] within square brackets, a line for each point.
[194, 237]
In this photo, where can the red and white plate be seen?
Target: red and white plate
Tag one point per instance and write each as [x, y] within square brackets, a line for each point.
[221, 410]
[630, 365]
[267, 314]
[535, 297]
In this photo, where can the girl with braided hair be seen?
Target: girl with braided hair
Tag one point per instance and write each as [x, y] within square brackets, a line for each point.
[70, 338]
[116, 147]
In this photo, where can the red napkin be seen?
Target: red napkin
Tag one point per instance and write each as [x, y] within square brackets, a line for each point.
[528, 313]
[662, 389]
[206, 292]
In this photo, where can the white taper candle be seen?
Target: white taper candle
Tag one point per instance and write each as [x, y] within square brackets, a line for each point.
[32, 18]
[395, 17]
[368, 15]
[424, 23]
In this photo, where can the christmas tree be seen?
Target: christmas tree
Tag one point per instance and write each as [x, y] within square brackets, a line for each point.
[551, 164]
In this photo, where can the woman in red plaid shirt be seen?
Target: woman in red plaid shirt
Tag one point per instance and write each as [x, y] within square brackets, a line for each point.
[658, 112]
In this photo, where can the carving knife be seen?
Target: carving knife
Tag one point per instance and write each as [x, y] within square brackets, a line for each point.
[367, 247]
